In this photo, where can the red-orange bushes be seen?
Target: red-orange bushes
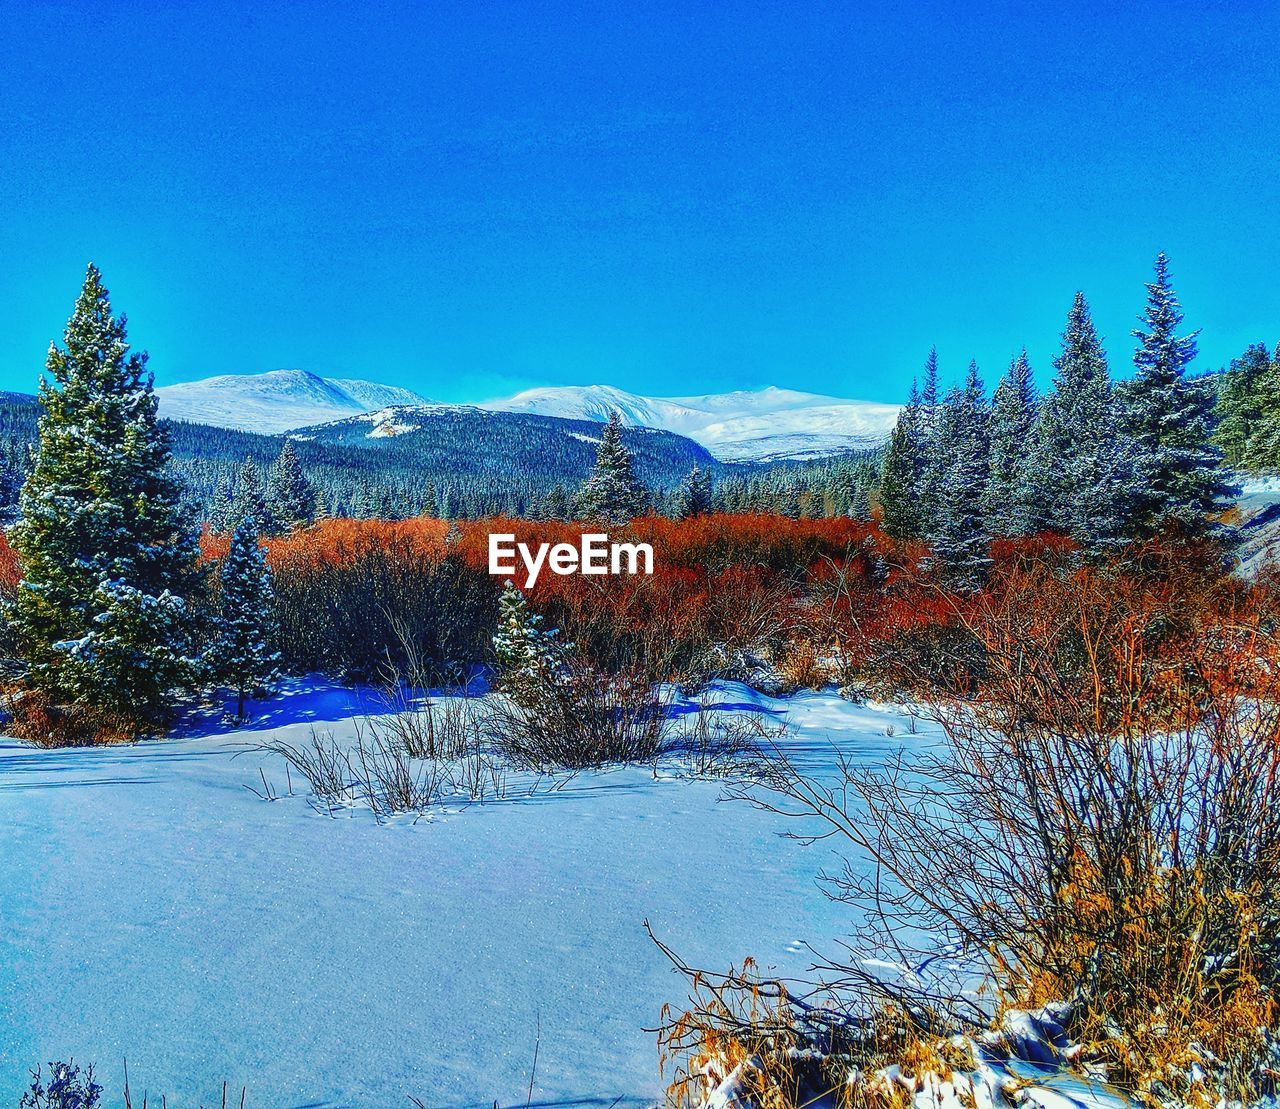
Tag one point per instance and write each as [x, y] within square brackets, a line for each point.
[339, 542]
[778, 543]
[719, 581]
[361, 597]
[10, 572]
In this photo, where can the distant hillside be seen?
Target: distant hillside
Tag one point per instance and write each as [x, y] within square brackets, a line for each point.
[275, 401]
[759, 425]
[447, 459]
[745, 426]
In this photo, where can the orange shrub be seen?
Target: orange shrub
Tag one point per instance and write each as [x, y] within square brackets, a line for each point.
[10, 572]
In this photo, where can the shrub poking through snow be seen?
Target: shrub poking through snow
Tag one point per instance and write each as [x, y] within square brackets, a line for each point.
[715, 744]
[67, 1088]
[582, 717]
[1097, 841]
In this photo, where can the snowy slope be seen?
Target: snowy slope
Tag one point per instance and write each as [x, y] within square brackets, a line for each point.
[154, 908]
[748, 425]
[759, 425]
[275, 401]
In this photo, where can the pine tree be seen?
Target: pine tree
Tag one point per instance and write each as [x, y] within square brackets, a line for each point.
[1010, 499]
[221, 510]
[694, 497]
[612, 492]
[863, 483]
[250, 501]
[529, 661]
[1240, 407]
[1083, 473]
[240, 657]
[958, 533]
[930, 459]
[102, 617]
[901, 472]
[1170, 420]
[1262, 449]
[291, 498]
[556, 505]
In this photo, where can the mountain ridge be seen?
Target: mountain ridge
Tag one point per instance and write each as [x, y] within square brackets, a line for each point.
[762, 425]
[276, 401]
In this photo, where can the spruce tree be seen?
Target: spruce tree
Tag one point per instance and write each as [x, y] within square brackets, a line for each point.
[241, 658]
[901, 473]
[1169, 417]
[958, 533]
[1010, 498]
[931, 462]
[291, 498]
[612, 493]
[694, 496]
[221, 509]
[1262, 450]
[1083, 473]
[529, 662]
[250, 500]
[863, 483]
[1240, 404]
[102, 616]
[556, 504]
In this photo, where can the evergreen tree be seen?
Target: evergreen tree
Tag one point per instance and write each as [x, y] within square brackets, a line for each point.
[901, 472]
[250, 501]
[221, 509]
[694, 497]
[557, 503]
[863, 484]
[1170, 419]
[1262, 449]
[958, 533]
[612, 492]
[240, 657]
[1083, 472]
[1240, 408]
[291, 498]
[931, 463]
[528, 660]
[102, 615]
[1010, 500]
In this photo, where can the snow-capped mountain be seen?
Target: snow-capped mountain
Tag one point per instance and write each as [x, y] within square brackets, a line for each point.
[276, 401]
[748, 425]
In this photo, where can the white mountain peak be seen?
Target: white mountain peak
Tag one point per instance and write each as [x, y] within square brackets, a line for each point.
[747, 424]
[743, 425]
[277, 400]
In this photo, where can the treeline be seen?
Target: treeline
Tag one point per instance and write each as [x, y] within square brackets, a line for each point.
[465, 467]
[1248, 430]
[1106, 464]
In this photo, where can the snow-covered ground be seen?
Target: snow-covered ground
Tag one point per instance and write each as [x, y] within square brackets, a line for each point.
[152, 907]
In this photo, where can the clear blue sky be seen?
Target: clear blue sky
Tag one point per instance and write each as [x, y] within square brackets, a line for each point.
[468, 199]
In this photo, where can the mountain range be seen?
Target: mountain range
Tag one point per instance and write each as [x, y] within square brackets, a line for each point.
[275, 401]
[769, 424]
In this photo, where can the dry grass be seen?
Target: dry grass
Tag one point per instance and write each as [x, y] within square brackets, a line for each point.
[777, 1051]
[801, 667]
[34, 717]
[586, 719]
[1100, 828]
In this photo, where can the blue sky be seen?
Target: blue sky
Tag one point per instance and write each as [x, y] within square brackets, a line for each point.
[469, 199]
